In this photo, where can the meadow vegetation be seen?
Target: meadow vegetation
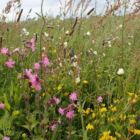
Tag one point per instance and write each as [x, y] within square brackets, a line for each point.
[71, 77]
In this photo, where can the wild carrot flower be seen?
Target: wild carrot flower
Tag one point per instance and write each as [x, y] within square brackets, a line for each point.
[70, 114]
[99, 99]
[10, 63]
[4, 50]
[61, 111]
[2, 105]
[73, 96]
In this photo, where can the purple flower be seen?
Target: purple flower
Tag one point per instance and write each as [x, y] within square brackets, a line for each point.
[99, 99]
[46, 62]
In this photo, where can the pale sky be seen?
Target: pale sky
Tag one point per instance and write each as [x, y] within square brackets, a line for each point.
[53, 5]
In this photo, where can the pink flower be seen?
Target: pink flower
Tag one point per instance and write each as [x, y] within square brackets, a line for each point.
[52, 71]
[10, 63]
[46, 61]
[99, 99]
[53, 127]
[70, 114]
[2, 105]
[59, 121]
[28, 72]
[61, 111]
[56, 100]
[37, 66]
[73, 96]
[4, 50]
[6, 138]
[32, 45]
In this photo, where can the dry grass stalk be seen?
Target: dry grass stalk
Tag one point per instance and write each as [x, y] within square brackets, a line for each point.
[75, 23]
[70, 5]
[18, 19]
[0, 42]
[87, 4]
[77, 8]
[114, 8]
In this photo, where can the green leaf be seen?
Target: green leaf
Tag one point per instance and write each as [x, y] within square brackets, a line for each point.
[38, 15]
[7, 105]
[32, 126]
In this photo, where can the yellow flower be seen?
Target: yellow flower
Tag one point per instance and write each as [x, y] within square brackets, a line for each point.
[134, 101]
[54, 51]
[106, 136]
[122, 117]
[85, 82]
[114, 109]
[89, 127]
[43, 94]
[23, 135]
[66, 94]
[130, 94]
[136, 96]
[136, 131]
[59, 87]
[15, 112]
[118, 135]
[103, 110]
[132, 121]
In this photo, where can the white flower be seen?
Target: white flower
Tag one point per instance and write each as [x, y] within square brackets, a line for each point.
[5, 15]
[24, 30]
[120, 72]
[129, 44]
[65, 44]
[59, 37]
[92, 41]
[75, 56]
[108, 42]
[67, 32]
[95, 52]
[120, 26]
[78, 80]
[88, 33]
[60, 64]
[74, 64]
[46, 34]
[27, 33]
[61, 19]
[109, 45]
[43, 48]
[104, 54]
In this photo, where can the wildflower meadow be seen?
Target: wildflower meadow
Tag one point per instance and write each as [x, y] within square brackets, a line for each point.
[74, 76]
